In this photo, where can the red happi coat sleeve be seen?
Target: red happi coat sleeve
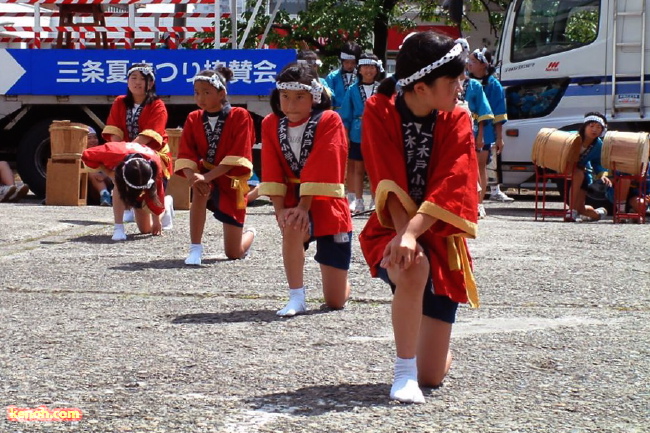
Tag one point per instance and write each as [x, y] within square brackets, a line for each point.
[152, 124]
[116, 122]
[277, 178]
[451, 195]
[111, 154]
[322, 176]
[193, 146]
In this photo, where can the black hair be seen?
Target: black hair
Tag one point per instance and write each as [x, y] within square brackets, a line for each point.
[491, 69]
[311, 57]
[150, 95]
[583, 127]
[418, 51]
[300, 73]
[225, 75]
[351, 48]
[137, 171]
[371, 56]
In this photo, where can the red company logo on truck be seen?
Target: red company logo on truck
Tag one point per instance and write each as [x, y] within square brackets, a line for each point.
[553, 67]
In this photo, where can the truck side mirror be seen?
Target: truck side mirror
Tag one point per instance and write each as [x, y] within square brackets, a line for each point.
[455, 8]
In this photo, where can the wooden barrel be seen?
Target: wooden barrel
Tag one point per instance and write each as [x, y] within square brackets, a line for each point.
[68, 140]
[627, 152]
[554, 149]
[174, 140]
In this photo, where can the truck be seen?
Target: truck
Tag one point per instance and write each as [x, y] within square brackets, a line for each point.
[559, 59]
[74, 70]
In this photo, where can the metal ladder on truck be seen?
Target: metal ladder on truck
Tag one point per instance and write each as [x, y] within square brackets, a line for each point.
[617, 103]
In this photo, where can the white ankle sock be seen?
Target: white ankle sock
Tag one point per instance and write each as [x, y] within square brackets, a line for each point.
[296, 304]
[118, 233]
[405, 383]
[194, 258]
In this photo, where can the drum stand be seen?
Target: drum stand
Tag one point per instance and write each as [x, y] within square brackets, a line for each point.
[620, 203]
[541, 178]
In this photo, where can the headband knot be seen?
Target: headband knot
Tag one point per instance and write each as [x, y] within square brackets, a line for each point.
[480, 55]
[214, 80]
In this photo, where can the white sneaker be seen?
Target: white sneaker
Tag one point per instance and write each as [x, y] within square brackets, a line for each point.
[501, 196]
[22, 189]
[129, 216]
[167, 220]
[360, 206]
[372, 204]
[353, 205]
[6, 192]
[571, 216]
[481, 212]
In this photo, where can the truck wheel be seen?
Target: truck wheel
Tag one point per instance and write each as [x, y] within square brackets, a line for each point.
[31, 158]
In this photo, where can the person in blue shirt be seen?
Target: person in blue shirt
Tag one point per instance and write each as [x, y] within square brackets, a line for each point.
[480, 67]
[370, 71]
[587, 168]
[341, 79]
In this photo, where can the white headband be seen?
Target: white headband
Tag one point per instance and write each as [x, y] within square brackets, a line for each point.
[596, 119]
[149, 183]
[214, 80]
[458, 49]
[480, 55]
[316, 62]
[371, 62]
[146, 70]
[316, 89]
[346, 56]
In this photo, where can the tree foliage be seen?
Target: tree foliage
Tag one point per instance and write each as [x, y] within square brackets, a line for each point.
[327, 24]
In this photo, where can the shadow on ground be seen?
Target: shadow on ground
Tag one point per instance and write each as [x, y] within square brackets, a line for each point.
[317, 400]
[238, 316]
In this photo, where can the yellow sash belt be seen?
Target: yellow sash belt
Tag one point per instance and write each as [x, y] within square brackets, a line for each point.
[459, 260]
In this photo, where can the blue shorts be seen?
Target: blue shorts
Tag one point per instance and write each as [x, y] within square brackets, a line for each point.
[487, 147]
[213, 206]
[355, 151]
[333, 250]
[435, 306]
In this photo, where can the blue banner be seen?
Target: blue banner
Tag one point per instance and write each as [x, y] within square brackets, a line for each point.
[103, 72]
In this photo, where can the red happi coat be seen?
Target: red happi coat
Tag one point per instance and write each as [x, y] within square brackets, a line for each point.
[110, 155]
[322, 177]
[235, 148]
[152, 124]
[450, 194]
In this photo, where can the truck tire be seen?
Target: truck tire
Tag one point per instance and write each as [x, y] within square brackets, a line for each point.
[33, 153]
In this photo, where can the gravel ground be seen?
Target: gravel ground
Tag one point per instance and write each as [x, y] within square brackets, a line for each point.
[141, 343]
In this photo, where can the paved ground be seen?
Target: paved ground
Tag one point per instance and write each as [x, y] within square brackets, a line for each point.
[139, 342]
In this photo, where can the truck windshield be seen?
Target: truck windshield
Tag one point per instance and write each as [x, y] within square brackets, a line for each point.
[544, 27]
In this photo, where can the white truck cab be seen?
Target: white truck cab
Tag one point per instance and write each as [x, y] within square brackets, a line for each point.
[559, 59]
